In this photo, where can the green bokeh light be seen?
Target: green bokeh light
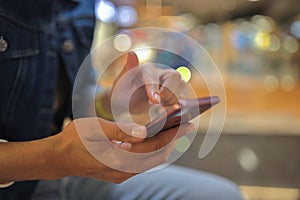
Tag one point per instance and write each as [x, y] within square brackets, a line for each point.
[185, 73]
[182, 144]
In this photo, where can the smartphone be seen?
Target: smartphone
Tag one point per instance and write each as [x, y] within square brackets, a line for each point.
[183, 112]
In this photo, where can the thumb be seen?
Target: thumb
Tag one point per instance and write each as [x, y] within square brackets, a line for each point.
[132, 61]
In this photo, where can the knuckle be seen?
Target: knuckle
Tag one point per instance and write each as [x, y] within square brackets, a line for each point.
[159, 145]
[177, 75]
[174, 74]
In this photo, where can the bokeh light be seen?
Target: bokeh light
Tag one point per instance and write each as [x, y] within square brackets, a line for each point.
[238, 39]
[126, 16]
[185, 73]
[182, 144]
[288, 83]
[105, 11]
[271, 83]
[143, 53]
[290, 44]
[262, 40]
[122, 42]
[248, 159]
[274, 43]
[263, 24]
[295, 28]
[184, 22]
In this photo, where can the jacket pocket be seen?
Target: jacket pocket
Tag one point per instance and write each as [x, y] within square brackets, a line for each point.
[18, 66]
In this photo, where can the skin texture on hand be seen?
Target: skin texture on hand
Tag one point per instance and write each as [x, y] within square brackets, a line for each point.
[160, 85]
[142, 86]
[95, 155]
[68, 154]
[97, 148]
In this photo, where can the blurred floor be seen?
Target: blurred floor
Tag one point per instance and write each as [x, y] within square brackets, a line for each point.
[262, 164]
[269, 193]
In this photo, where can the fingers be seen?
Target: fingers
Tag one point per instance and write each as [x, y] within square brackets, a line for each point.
[162, 139]
[153, 92]
[157, 148]
[127, 133]
[172, 86]
[112, 175]
[132, 61]
[162, 86]
[150, 76]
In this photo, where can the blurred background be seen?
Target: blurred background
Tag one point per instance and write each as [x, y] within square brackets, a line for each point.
[255, 44]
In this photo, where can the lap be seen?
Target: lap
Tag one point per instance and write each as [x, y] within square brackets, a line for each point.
[172, 182]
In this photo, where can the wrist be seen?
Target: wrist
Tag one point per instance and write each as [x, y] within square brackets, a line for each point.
[51, 161]
[7, 184]
[73, 159]
[61, 156]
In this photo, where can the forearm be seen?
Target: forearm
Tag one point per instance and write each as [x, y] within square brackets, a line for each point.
[32, 160]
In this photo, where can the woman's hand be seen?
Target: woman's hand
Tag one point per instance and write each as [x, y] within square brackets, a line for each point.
[82, 149]
[160, 85]
[94, 147]
[87, 147]
[137, 88]
[115, 151]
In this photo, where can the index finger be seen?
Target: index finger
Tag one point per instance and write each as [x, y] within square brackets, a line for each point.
[151, 81]
[171, 85]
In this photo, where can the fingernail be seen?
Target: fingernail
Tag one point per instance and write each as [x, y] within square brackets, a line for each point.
[116, 142]
[125, 145]
[157, 97]
[138, 131]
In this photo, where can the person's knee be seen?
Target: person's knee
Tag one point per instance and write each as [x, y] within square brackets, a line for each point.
[226, 190]
[206, 186]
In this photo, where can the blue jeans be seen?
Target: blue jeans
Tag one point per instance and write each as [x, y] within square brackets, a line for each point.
[172, 182]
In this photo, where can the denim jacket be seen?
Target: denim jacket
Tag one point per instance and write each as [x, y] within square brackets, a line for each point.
[36, 36]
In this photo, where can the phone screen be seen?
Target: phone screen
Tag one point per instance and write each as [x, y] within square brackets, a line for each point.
[183, 112]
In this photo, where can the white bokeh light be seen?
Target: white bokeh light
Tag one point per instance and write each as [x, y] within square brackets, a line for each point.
[248, 159]
[122, 42]
[106, 11]
[295, 28]
[126, 16]
[144, 53]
